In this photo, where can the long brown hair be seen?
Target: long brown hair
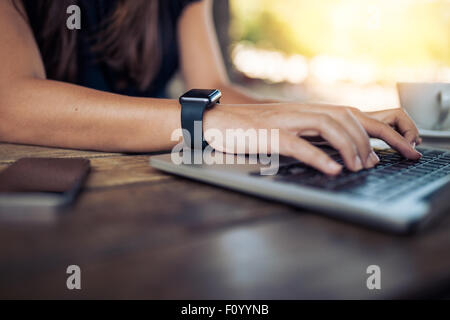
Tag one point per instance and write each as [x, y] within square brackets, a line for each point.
[128, 40]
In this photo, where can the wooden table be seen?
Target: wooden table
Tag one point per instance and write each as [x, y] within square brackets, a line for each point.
[139, 233]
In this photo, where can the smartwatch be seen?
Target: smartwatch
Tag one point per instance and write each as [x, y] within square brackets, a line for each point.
[193, 105]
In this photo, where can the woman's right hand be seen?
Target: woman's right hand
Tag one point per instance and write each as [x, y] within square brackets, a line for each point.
[344, 128]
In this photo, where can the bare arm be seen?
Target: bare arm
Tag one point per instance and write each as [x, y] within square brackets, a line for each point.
[35, 110]
[203, 67]
[201, 60]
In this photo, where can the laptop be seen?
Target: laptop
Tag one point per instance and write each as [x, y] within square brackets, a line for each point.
[398, 195]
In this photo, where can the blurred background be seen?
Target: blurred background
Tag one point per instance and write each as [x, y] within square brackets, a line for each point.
[337, 51]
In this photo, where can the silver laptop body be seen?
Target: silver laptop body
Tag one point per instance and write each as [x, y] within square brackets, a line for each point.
[406, 212]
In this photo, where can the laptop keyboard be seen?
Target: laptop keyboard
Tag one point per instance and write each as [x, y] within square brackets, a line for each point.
[392, 177]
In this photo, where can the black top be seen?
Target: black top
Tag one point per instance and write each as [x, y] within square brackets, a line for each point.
[97, 75]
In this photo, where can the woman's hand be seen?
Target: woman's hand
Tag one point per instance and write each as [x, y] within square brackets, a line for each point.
[346, 129]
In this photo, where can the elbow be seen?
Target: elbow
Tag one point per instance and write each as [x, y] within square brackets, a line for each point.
[17, 110]
[3, 113]
[4, 121]
[8, 114]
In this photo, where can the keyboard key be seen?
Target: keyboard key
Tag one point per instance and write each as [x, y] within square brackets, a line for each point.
[394, 175]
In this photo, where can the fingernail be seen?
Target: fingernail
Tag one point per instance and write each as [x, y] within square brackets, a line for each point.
[358, 163]
[413, 144]
[374, 157]
[334, 166]
[372, 160]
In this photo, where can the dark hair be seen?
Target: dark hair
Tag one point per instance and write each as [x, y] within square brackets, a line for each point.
[128, 40]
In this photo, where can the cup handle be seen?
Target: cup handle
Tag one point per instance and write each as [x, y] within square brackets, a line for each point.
[444, 102]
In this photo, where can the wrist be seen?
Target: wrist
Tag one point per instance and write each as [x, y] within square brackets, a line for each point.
[194, 104]
[217, 116]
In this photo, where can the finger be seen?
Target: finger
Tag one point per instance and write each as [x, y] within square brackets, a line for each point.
[338, 137]
[329, 129]
[383, 131]
[344, 115]
[305, 152]
[359, 136]
[407, 127]
[419, 141]
[399, 119]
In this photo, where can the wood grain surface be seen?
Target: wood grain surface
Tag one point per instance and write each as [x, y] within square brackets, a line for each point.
[139, 233]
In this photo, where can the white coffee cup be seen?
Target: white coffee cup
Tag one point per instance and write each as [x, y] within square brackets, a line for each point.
[428, 104]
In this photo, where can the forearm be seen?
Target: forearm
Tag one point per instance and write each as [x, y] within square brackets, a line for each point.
[51, 113]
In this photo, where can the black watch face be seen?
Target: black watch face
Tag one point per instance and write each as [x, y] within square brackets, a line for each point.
[201, 95]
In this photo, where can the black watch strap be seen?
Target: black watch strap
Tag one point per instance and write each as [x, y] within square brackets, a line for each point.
[192, 114]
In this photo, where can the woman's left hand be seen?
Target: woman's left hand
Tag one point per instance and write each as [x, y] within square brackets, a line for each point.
[393, 126]
[399, 120]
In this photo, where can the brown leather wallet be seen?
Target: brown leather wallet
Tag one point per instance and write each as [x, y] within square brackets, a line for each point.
[43, 176]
